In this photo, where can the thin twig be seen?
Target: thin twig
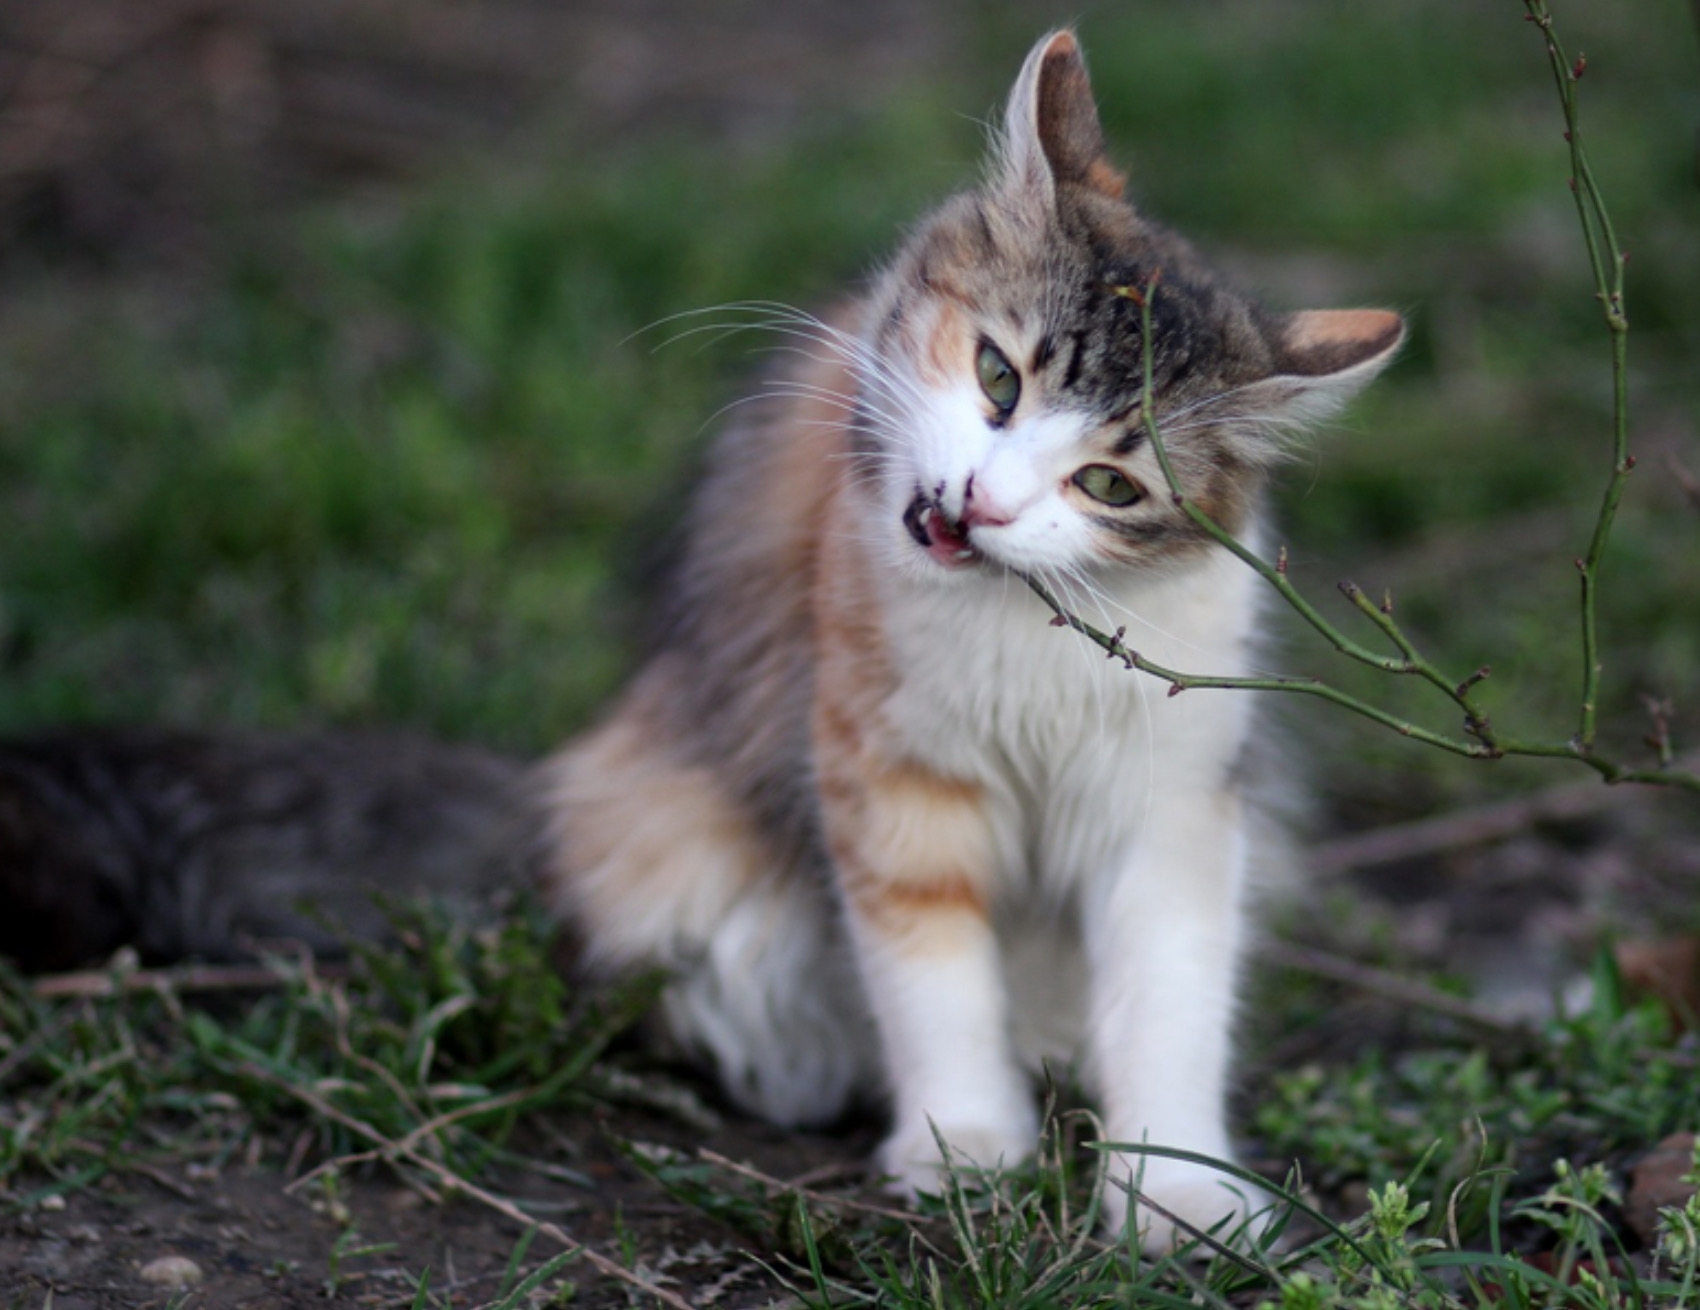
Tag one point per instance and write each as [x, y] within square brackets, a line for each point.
[1475, 826]
[1114, 645]
[1390, 986]
[191, 978]
[457, 1182]
[796, 1189]
[430, 1128]
[1607, 260]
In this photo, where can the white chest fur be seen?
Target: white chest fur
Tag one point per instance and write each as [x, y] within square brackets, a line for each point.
[1075, 749]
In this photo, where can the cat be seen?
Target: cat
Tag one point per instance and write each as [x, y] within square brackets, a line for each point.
[206, 845]
[890, 829]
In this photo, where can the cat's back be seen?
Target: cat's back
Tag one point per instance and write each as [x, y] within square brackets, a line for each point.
[730, 632]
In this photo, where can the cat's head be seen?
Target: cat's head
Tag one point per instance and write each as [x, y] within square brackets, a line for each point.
[1003, 398]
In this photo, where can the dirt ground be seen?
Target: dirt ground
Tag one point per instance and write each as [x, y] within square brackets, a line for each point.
[254, 1242]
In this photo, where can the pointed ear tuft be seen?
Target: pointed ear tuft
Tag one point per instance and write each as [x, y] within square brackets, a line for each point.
[1051, 130]
[1323, 343]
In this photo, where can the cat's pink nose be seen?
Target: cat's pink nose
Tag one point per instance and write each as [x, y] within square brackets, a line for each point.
[980, 511]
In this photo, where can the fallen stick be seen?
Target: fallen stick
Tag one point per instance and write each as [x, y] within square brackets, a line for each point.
[188, 978]
[1477, 826]
[456, 1182]
[1390, 986]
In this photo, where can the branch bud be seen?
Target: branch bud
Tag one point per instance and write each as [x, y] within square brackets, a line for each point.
[1479, 675]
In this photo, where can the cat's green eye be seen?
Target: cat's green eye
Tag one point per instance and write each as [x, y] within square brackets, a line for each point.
[998, 378]
[1111, 486]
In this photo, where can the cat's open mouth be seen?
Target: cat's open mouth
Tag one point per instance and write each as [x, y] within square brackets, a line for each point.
[937, 535]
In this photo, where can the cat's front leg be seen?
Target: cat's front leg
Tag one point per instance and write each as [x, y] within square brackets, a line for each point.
[914, 857]
[1164, 936]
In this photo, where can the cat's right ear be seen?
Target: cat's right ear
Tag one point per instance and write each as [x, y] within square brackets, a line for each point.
[1051, 130]
[1325, 356]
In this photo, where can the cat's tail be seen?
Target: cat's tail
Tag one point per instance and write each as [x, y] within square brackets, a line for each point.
[208, 845]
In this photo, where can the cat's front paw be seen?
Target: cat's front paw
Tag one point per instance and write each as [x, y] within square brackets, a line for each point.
[913, 1161]
[1234, 1212]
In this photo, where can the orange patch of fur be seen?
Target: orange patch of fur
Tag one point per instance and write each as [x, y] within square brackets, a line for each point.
[636, 827]
[912, 847]
[946, 347]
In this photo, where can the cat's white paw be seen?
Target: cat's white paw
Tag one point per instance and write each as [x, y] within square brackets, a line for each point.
[912, 1159]
[1235, 1212]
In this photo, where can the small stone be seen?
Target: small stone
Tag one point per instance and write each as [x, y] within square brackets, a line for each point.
[1657, 1181]
[54, 1202]
[171, 1271]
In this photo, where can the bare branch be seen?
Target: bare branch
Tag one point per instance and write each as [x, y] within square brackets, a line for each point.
[1481, 740]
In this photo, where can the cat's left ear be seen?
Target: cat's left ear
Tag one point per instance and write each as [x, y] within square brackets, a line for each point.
[1325, 356]
[1052, 135]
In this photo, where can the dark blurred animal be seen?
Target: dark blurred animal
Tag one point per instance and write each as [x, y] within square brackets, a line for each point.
[184, 844]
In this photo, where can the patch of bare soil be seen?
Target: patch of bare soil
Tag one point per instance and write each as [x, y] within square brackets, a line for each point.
[241, 1236]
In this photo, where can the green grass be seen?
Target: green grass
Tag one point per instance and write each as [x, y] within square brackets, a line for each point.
[395, 463]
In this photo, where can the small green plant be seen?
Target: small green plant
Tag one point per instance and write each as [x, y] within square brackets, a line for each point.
[1609, 1076]
[1677, 1252]
[445, 1038]
[349, 1245]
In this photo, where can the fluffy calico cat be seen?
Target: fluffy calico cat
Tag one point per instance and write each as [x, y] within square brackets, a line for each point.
[891, 829]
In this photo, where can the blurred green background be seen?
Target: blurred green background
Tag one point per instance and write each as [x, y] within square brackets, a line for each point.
[380, 443]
